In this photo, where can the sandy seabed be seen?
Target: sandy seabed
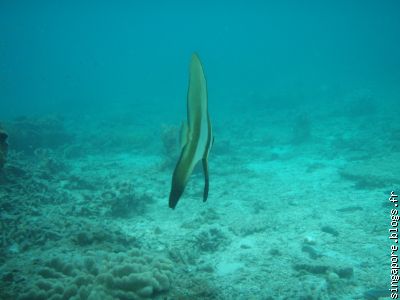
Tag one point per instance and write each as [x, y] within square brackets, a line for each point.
[298, 209]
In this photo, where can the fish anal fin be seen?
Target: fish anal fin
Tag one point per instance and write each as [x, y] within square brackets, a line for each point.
[206, 179]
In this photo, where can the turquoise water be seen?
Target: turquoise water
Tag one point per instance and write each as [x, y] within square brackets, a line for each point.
[304, 103]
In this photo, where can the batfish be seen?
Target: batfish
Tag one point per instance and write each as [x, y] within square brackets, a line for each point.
[196, 134]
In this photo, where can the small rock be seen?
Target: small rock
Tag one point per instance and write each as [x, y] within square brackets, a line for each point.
[309, 240]
[244, 246]
[330, 230]
[314, 269]
[346, 272]
[314, 254]
[375, 294]
[275, 252]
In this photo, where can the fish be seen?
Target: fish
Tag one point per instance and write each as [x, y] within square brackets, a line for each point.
[196, 134]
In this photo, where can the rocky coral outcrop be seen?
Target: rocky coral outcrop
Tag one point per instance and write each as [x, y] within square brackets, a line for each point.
[210, 240]
[29, 133]
[122, 200]
[132, 275]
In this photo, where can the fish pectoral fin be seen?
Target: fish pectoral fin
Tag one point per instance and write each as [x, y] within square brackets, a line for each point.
[184, 134]
[206, 178]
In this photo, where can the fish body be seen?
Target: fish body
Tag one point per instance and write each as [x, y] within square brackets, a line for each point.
[196, 134]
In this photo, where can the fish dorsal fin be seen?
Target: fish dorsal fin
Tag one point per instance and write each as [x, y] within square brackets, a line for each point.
[184, 134]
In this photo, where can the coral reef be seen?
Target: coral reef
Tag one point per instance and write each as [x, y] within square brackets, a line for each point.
[312, 288]
[49, 164]
[29, 134]
[344, 272]
[124, 201]
[3, 148]
[210, 240]
[251, 226]
[373, 173]
[132, 275]
[71, 212]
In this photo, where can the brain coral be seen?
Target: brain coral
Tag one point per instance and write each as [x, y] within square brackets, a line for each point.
[126, 276]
